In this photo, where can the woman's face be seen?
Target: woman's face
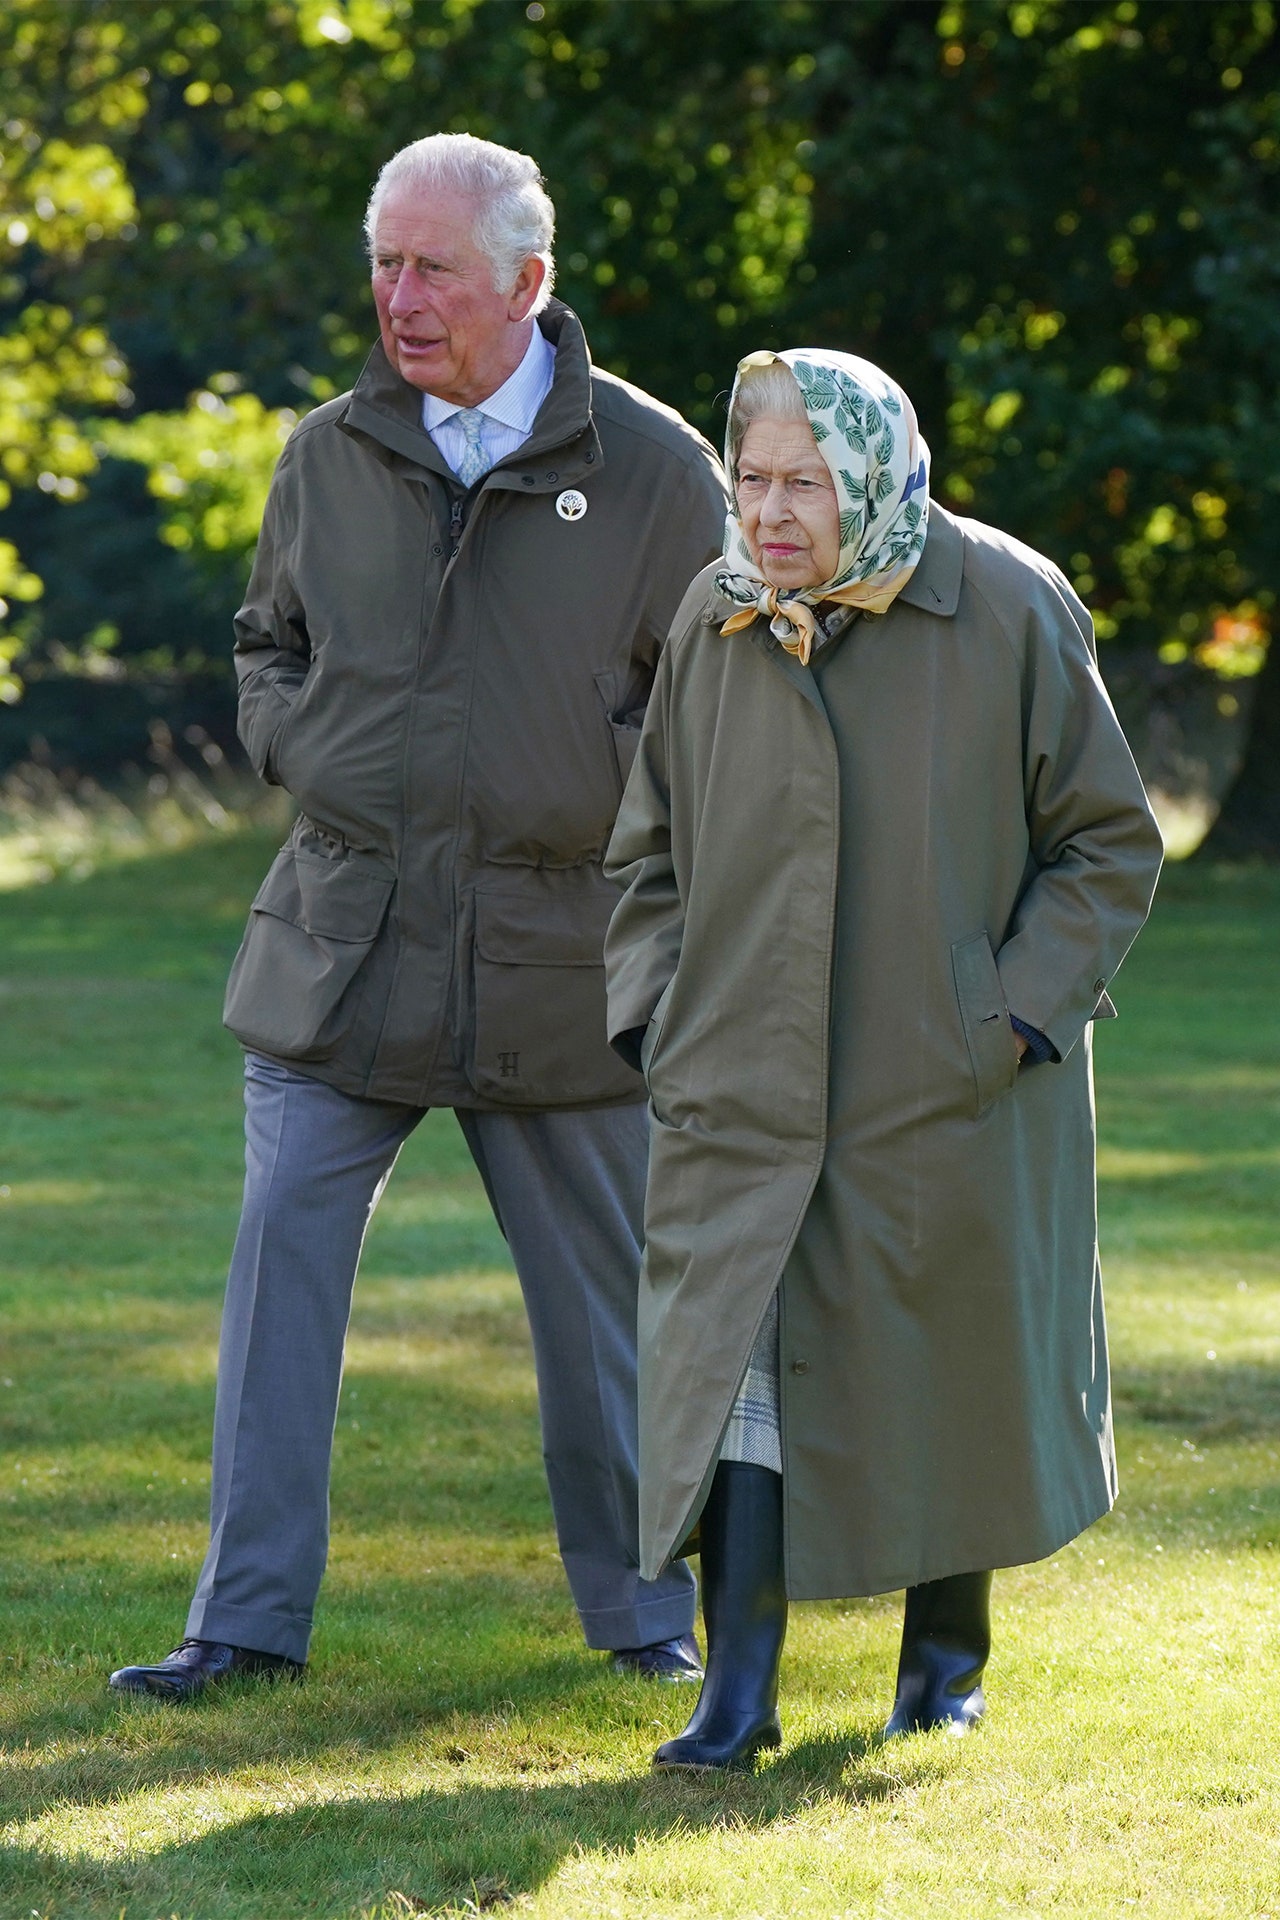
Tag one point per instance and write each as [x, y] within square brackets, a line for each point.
[787, 504]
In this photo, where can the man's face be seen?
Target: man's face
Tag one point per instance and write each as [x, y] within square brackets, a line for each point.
[444, 328]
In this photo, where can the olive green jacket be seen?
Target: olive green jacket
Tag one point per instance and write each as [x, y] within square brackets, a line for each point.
[451, 686]
[839, 882]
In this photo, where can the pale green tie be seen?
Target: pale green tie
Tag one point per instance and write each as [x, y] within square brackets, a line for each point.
[475, 460]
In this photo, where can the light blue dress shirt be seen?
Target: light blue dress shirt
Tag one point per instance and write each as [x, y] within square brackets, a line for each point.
[508, 414]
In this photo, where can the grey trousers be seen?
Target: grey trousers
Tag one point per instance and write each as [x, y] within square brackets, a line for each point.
[567, 1189]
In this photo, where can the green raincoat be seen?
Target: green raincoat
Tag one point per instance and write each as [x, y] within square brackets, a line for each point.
[840, 880]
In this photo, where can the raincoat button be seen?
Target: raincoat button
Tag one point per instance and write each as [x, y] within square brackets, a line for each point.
[799, 1366]
[552, 474]
[526, 479]
[1098, 985]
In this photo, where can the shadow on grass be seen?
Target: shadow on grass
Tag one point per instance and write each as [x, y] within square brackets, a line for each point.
[472, 1846]
[107, 1746]
[1217, 1402]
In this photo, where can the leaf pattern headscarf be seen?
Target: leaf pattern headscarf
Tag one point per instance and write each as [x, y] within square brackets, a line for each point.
[866, 431]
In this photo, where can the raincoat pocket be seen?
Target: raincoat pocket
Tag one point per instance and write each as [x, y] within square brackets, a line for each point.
[539, 1035]
[293, 985]
[988, 1032]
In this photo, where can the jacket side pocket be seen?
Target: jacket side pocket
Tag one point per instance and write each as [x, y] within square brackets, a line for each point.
[292, 990]
[993, 1051]
[624, 728]
[265, 708]
[626, 739]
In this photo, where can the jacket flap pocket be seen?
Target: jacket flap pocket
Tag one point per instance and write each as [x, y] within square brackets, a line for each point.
[515, 931]
[539, 1023]
[295, 984]
[343, 897]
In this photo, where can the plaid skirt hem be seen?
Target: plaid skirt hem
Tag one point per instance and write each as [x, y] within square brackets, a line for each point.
[754, 1433]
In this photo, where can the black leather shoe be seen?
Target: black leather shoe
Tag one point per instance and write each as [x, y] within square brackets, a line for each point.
[946, 1638]
[196, 1664]
[675, 1661]
[744, 1601]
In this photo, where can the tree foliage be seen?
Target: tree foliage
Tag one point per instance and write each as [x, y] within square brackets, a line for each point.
[1055, 220]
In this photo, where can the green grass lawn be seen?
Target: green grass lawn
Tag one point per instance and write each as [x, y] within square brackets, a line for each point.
[454, 1749]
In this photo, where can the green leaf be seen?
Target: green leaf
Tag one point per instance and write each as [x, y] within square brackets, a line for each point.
[853, 394]
[817, 386]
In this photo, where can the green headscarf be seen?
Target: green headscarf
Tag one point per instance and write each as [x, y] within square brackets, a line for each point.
[866, 431]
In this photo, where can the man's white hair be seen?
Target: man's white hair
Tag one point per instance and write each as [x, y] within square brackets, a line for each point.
[514, 216]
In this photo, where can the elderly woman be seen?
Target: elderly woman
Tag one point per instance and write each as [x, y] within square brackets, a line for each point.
[883, 848]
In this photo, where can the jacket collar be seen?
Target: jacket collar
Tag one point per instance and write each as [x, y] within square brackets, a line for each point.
[387, 409]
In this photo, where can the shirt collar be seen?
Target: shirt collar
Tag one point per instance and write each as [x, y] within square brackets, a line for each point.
[517, 400]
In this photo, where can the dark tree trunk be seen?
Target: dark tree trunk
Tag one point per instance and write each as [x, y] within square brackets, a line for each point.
[1248, 827]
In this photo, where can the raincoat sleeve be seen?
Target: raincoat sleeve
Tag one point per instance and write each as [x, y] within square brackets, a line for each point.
[1095, 845]
[272, 650]
[642, 946]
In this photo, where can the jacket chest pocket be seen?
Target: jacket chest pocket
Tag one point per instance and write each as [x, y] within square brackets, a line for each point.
[993, 1051]
[294, 983]
[538, 1029]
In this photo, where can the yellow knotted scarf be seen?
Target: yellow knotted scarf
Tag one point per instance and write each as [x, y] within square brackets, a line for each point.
[872, 596]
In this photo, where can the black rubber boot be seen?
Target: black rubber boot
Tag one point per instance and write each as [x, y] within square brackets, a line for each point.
[946, 1637]
[744, 1603]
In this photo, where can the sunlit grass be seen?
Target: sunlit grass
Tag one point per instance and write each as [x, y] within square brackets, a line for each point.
[453, 1748]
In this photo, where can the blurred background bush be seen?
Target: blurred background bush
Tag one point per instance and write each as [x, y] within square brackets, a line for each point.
[1056, 223]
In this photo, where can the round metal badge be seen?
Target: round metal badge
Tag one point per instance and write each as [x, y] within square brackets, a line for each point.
[571, 505]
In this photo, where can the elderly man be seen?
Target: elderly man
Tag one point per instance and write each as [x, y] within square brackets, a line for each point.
[467, 569]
